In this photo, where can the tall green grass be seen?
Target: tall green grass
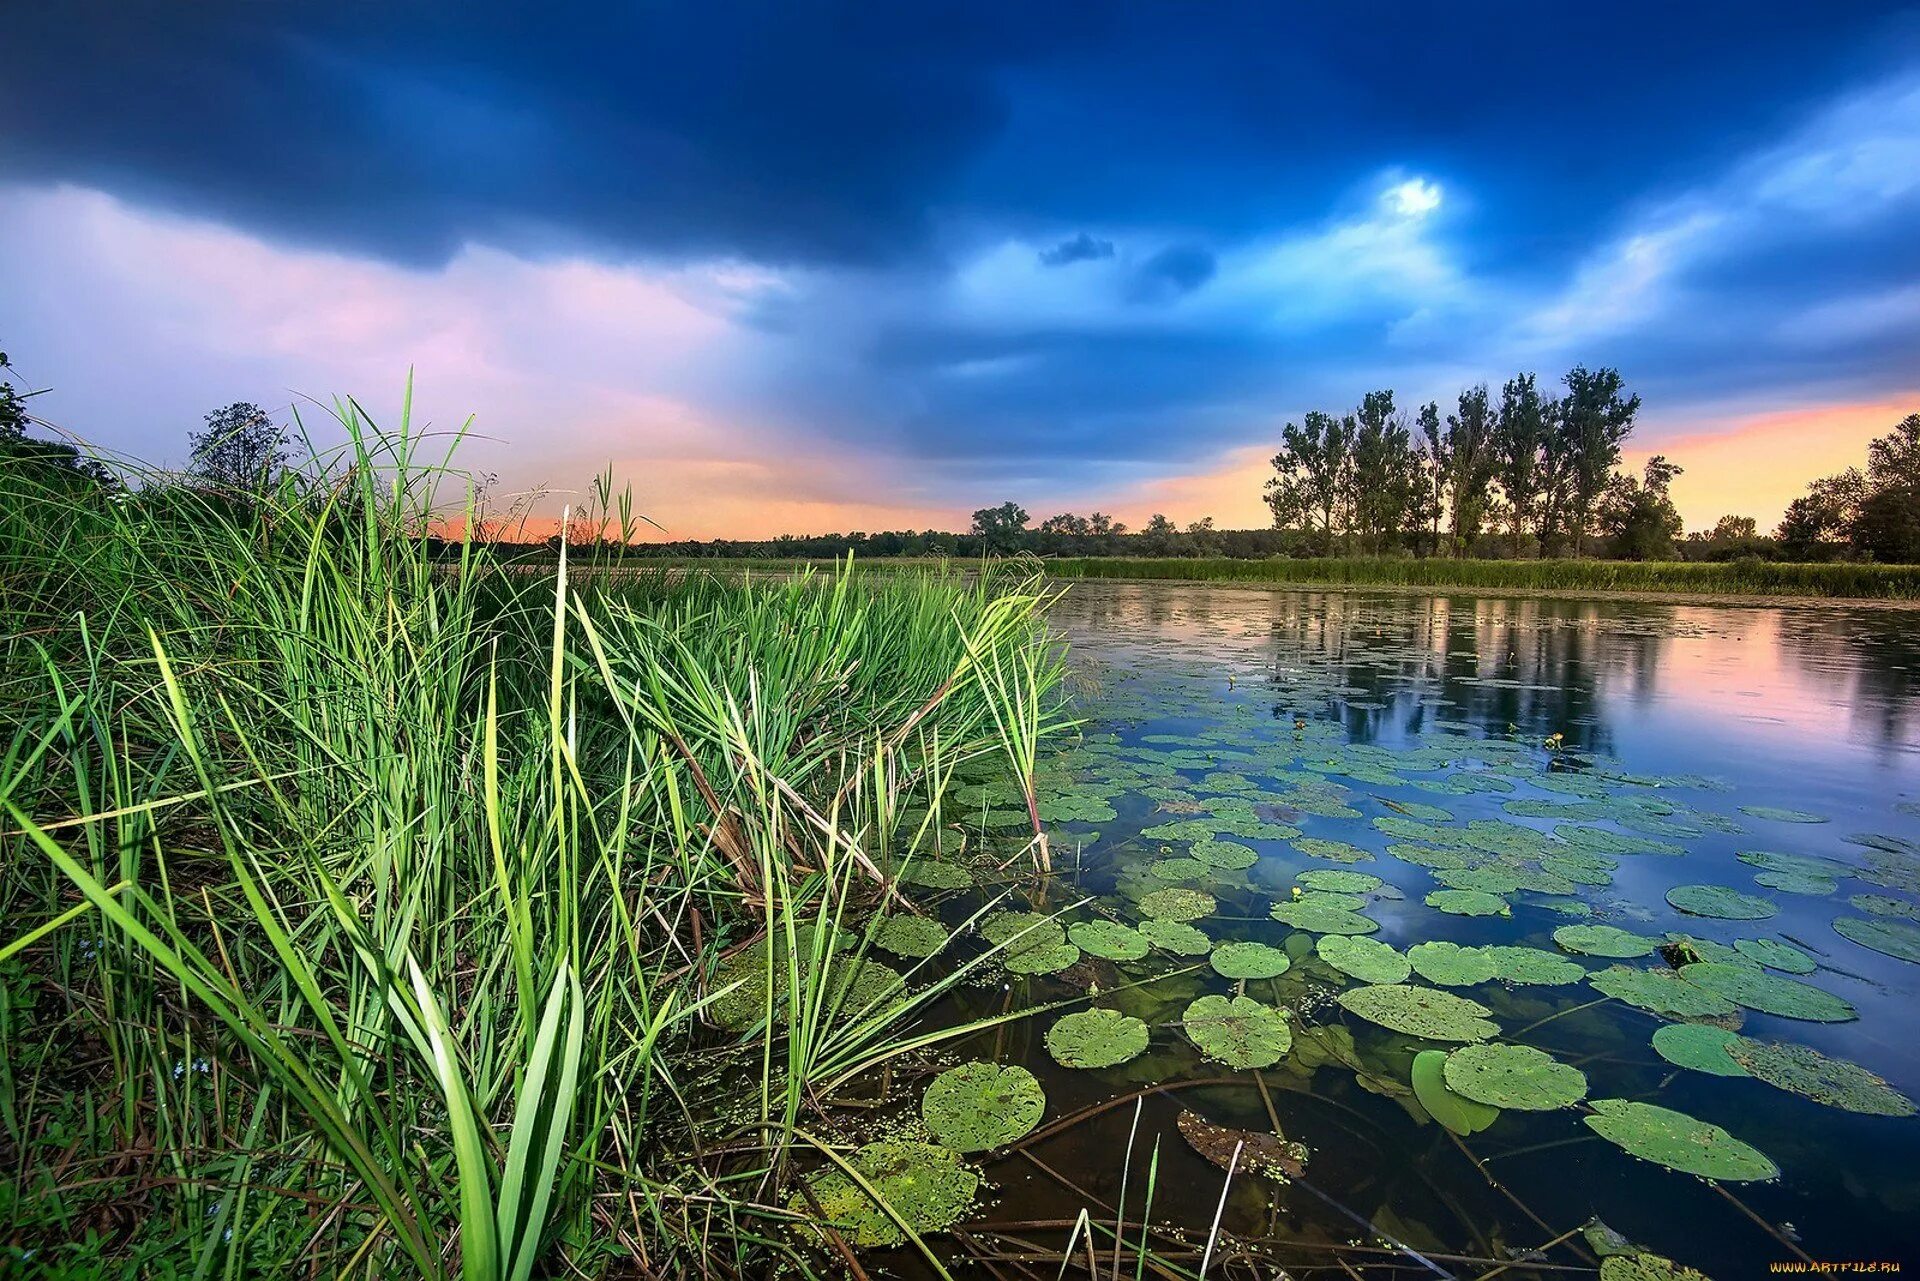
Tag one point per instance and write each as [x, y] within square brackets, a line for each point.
[1756, 578]
[364, 910]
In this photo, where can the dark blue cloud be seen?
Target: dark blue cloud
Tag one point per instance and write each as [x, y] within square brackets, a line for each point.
[1080, 248]
[1177, 270]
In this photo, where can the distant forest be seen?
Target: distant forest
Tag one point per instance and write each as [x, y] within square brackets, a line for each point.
[1529, 474]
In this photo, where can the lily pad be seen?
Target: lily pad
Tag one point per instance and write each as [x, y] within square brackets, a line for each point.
[1449, 964]
[1679, 1142]
[1604, 940]
[1700, 1047]
[1096, 1039]
[1803, 1070]
[1178, 904]
[1421, 1012]
[1776, 955]
[1244, 960]
[1177, 869]
[931, 874]
[1662, 991]
[928, 1186]
[1109, 939]
[1774, 814]
[977, 1106]
[1049, 959]
[1756, 989]
[1239, 1032]
[1332, 851]
[1323, 918]
[1720, 901]
[1640, 1266]
[1895, 938]
[1368, 960]
[1456, 1112]
[1175, 936]
[1469, 903]
[1268, 1155]
[1514, 1076]
[910, 936]
[1225, 855]
[1798, 883]
[1533, 966]
[1015, 932]
[1337, 880]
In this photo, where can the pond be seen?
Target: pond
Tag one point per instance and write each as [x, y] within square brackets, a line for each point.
[1522, 823]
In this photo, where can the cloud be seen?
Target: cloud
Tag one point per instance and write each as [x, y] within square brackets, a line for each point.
[1080, 248]
[1172, 273]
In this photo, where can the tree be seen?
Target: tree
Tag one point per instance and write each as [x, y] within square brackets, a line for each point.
[1595, 419]
[1733, 529]
[1382, 471]
[1886, 525]
[1471, 458]
[1309, 483]
[240, 451]
[1001, 527]
[1638, 513]
[1823, 516]
[13, 411]
[1066, 523]
[1520, 433]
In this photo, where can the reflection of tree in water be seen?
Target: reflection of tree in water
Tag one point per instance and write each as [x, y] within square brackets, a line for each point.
[1868, 662]
[1552, 661]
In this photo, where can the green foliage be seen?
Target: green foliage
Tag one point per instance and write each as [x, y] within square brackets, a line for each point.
[978, 1106]
[1803, 1070]
[1421, 1012]
[1679, 1142]
[1701, 1047]
[1515, 1077]
[1722, 901]
[890, 1183]
[1096, 1038]
[1239, 1032]
[1456, 1112]
[1243, 960]
[1749, 985]
[1366, 959]
[1604, 940]
[1108, 939]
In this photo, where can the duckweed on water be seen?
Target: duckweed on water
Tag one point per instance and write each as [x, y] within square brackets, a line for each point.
[1239, 1031]
[1514, 1077]
[1646, 1267]
[1096, 1038]
[915, 937]
[978, 1106]
[1679, 1142]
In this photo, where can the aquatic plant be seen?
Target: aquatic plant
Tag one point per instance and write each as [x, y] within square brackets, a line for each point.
[978, 1106]
[1749, 985]
[1803, 1070]
[1701, 1047]
[1178, 904]
[1720, 901]
[1096, 1038]
[1514, 1077]
[1678, 1141]
[915, 937]
[1421, 1012]
[1469, 903]
[1456, 1112]
[1238, 1031]
[1661, 991]
[1176, 937]
[1108, 939]
[919, 1186]
[1247, 960]
[1895, 938]
[1366, 959]
[1322, 917]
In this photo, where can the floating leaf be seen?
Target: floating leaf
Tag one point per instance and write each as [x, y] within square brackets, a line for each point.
[1109, 939]
[1322, 918]
[1604, 940]
[1177, 869]
[1803, 1070]
[1421, 1012]
[1178, 904]
[1015, 932]
[1175, 936]
[1753, 987]
[928, 1186]
[1661, 991]
[1096, 1039]
[1469, 903]
[1895, 938]
[1368, 960]
[1239, 1031]
[1720, 901]
[1225, 855]
[1041, 960]
[1513, 963]
[910, 936]
[1449, 964]
[1264, 1154]
[1640, 1266]
[1775, 955]
[1332, 851]
[977, 1106]
[1774, 814]
[930, 874]
[1245, 960]
[1700, 1047]
[1335, 880]
[1678, 1141]
[1798, 883]
[1514, 1076]
[1456, 1112]
[1884, 905]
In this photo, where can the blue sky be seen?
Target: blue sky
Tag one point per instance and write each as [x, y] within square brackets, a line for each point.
[827, 266]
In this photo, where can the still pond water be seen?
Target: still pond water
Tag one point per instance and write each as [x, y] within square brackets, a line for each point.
[1533, 765]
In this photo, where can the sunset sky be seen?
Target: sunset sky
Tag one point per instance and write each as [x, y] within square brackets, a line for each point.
[794, 267]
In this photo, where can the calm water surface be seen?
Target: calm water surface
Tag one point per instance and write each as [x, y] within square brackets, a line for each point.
[1704, 712]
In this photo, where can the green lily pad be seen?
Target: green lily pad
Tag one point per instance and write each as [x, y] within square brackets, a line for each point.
[1015, 932]
[1604, 940]
[1332, 851]
[1774, 814]
[1225, 855]
[1109, 939]
[910, 936]
[1776, 955]
[1895, 938]
[977, 1106]
[1046, 959]
[1679, 1142]
[1756, 989]
[1096, 1039]
[1175, 936]
[1533, 966]
[1368, 960]
[1661, 991]
[1514, 1076]
[1177, 869]
[1449, 964]
[1249, 961]
[1456, 1112]
[928, 1186]
[1640, 1266]
[1700, 1047]
[1335, 880]
[1421, 1012]
[1178, 904]
[1720, 901]
[1239, 1032]
[1798, 883]
[933, 875]
[1885, 905]
[1322, 918]
[1803, 1070]
[1469, 903]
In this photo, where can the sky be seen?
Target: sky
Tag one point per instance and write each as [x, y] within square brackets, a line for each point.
[803, 267]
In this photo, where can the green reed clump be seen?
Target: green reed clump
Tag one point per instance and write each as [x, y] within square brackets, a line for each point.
[1757, 578]
[364, 896]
